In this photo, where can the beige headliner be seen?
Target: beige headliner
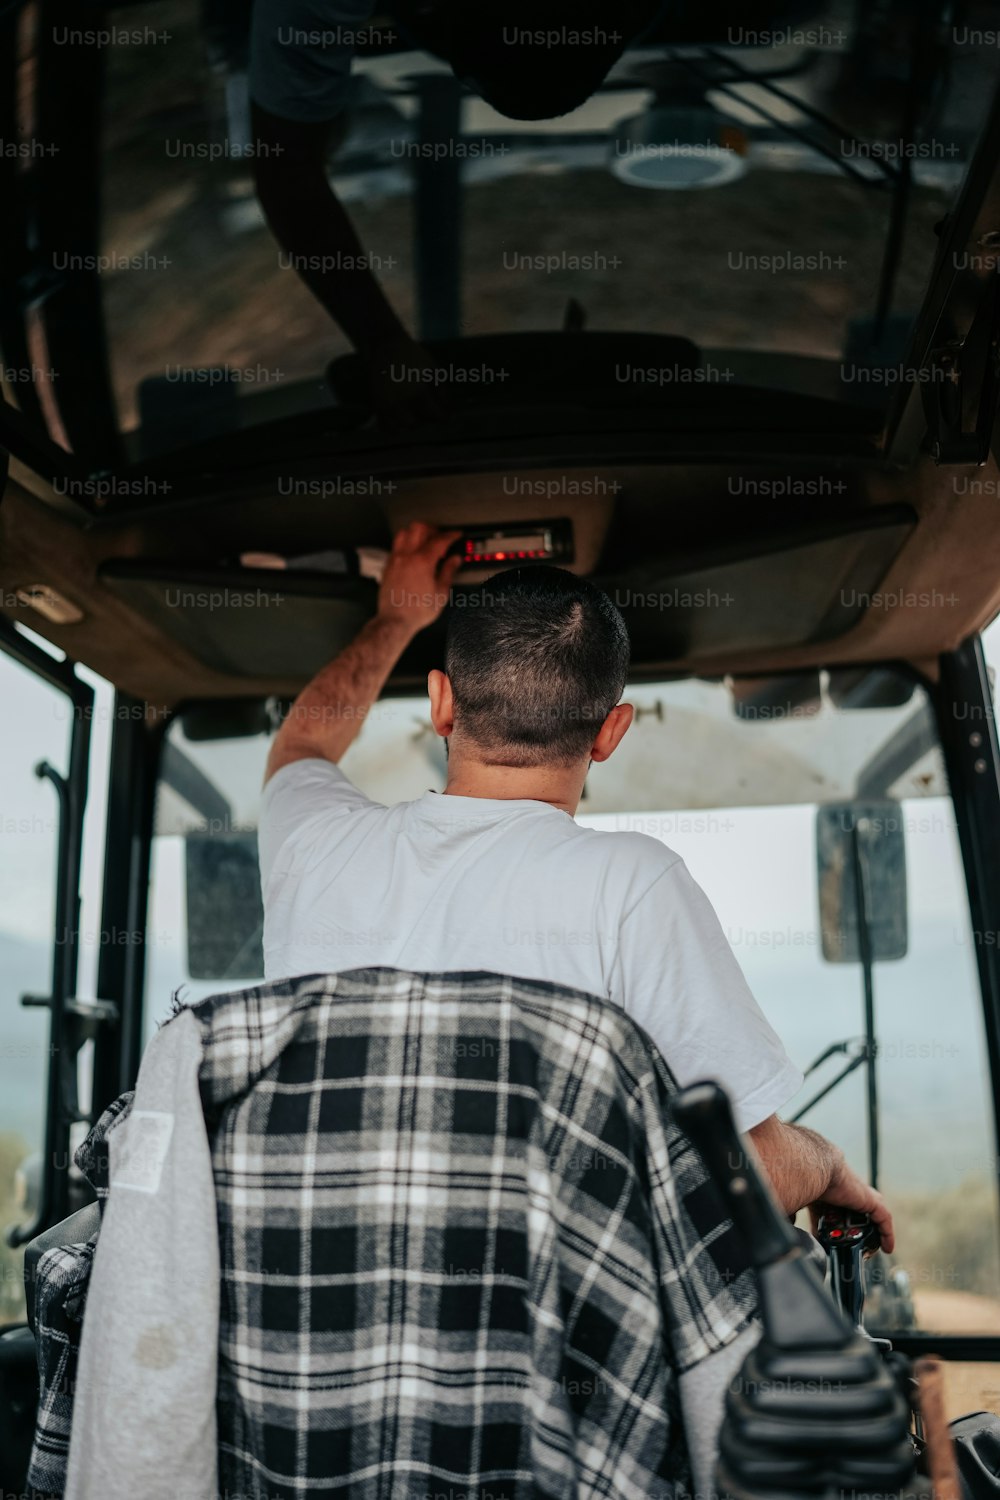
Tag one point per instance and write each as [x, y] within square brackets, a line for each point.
[948, 572]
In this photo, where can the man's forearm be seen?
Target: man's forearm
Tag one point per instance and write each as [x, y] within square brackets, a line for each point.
[807, 1170]
[800, 1164]
[327, 715]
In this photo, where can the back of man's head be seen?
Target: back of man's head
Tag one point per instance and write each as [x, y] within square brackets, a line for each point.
[537, 661]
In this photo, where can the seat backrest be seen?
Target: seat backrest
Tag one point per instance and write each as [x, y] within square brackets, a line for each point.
[75, 1230]
[460, 1242]
[459, 1233]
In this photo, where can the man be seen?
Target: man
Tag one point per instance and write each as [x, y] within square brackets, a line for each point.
[529, 59]
[495, 874]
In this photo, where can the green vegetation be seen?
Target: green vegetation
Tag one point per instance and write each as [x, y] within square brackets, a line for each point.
[13, 1150]
[948, 1241]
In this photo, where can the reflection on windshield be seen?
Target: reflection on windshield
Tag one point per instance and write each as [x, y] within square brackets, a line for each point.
[787, 150]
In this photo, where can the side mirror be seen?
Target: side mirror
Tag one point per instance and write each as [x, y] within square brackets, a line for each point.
[225, 914]
[865, 837]
[861, 855]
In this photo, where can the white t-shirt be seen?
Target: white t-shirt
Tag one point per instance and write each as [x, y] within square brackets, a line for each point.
[514, 887]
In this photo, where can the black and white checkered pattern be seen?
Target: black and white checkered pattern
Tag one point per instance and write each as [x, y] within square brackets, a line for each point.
[465, 1253]
[60, 1292]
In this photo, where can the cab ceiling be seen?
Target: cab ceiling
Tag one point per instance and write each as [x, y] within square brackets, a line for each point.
[933, 569]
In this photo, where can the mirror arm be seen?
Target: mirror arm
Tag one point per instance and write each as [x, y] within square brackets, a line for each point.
[862, 896]
[831, 1051]
[845, 1072]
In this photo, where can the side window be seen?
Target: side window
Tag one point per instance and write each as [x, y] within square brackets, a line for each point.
[204, 916]
[933, 1111]
[37, 722]
[760, 803]
[773, 860]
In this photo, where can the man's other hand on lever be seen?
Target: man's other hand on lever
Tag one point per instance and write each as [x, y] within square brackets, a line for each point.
[808, 1171]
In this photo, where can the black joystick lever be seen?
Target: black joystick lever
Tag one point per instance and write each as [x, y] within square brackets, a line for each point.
[848, 1239]
[814, 1410]
[798, 1314]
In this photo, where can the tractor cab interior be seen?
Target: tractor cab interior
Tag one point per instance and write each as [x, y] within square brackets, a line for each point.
[724, 340]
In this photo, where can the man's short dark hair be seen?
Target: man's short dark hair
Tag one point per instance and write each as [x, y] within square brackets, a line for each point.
[537, 660]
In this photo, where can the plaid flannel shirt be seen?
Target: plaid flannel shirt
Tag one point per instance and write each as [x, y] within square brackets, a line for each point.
[60, 1294]
[465, 1252]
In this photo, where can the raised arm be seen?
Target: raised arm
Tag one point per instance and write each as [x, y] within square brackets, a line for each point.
[325, 718]
[808, 1171]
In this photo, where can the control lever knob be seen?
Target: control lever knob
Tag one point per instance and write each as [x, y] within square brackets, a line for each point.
[848, 1238]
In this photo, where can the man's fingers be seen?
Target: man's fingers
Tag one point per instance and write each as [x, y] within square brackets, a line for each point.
[447, 571]
[411, 538]
[420, 534]
[875, 1206]
[436, 546]
[419, 537]
[883, 1218]
[852, 1192]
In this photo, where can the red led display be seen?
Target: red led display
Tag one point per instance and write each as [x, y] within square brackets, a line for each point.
[475, 552]
[490, 557]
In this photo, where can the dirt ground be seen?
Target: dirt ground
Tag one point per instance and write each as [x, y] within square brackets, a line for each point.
[968, 1387]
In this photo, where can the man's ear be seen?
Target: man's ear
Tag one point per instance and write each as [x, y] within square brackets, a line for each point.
[442, 703]
[612, 731]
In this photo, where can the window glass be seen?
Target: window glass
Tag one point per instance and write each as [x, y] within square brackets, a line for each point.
[737, 792]
[229, 774]
[37, 725]
[211, 328]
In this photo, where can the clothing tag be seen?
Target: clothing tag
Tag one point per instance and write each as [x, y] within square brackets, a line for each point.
[140, 1149]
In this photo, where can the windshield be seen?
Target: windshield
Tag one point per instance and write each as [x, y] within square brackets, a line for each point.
[749, 783]
[745, 781]
[693, 745]
[766, 188]
[784, 257]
